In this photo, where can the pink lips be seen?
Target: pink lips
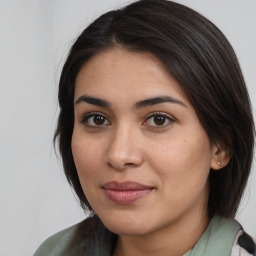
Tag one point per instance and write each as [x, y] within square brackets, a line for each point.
[125, 192]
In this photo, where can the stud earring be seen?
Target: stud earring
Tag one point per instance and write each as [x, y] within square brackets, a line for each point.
[219, 164]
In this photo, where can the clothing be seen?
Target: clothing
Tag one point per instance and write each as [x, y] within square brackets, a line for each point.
[222, 237]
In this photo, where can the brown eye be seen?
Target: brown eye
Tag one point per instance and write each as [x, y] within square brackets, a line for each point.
[159, 120]
[95, 120]
[99, 120]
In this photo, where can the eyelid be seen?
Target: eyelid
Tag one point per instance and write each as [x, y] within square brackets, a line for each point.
[160, 114]
[86, 116]
[167, 116]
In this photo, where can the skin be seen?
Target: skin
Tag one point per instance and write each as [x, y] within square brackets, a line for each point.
[173, 157]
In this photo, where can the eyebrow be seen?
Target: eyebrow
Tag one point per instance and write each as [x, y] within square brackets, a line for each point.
[138, 105]
[158, 100]
[93, 101]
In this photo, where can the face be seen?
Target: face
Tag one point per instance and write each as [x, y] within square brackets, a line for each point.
[141, 154]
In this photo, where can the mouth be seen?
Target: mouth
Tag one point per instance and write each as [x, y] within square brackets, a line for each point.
[126, 192]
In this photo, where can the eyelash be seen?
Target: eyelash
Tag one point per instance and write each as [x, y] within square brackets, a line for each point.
[87, 117]
[163, 117]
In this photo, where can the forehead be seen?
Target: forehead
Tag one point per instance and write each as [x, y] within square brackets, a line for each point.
[123, 73]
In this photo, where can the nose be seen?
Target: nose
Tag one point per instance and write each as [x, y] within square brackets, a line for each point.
[124, 149]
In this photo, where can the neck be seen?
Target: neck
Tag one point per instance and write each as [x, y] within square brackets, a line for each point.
[174, 240]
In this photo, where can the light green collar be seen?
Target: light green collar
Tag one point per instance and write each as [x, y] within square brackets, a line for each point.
[217, 239]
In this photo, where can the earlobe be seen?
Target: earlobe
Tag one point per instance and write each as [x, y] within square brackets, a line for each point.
[220, 157]
[219, 164]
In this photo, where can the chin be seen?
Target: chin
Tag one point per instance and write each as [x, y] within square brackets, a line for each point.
[126, 226]
[127, 229]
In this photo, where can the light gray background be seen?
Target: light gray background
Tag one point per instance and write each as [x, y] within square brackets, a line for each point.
[35, 36]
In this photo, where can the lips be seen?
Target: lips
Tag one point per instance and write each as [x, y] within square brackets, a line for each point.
[125, 192]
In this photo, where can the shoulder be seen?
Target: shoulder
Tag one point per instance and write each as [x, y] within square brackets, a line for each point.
[243, 245]
[56, 242]
[65, 242]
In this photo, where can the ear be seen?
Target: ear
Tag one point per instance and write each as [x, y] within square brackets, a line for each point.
[220, 157]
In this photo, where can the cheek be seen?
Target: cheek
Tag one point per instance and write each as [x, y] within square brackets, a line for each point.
[182, 162]
[86, 157]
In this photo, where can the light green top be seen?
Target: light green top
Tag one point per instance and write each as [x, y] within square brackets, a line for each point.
[217, 239]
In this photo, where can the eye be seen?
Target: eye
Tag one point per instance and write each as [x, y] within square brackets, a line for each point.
[95, 120]
[159, 120]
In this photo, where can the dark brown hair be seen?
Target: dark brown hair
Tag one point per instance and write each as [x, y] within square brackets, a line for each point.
[200, 58]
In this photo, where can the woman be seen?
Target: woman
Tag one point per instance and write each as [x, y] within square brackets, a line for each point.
[156, 135]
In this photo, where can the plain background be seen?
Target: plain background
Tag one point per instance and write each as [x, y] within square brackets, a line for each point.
[35, 36]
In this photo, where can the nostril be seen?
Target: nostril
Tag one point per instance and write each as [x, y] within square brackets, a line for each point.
[109, 165]
[129, 164]
[120, 167]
